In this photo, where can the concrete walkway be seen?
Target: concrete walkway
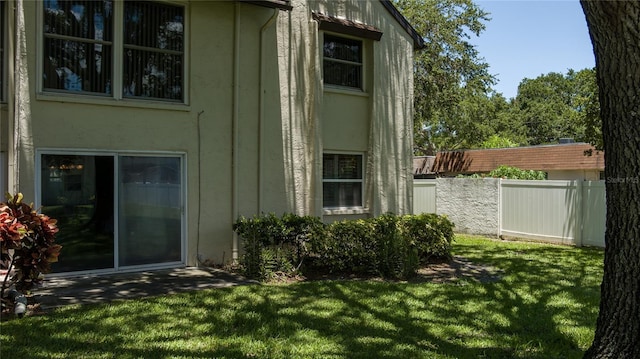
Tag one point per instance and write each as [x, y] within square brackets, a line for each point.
[105, 288]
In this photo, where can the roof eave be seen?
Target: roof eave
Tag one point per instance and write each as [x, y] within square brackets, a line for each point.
[274, 4]
[418, 41]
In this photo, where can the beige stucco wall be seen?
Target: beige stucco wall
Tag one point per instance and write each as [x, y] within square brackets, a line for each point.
[346, 119]
[384, 109]
[256, 119]
[200, 129]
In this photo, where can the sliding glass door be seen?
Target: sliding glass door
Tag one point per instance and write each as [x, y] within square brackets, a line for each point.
[78, 192]
[149, 210]
[114, 211]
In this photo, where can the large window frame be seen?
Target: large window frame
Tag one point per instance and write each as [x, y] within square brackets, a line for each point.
[149, 59]
[343, 180]
[343, 63]
[69, 184]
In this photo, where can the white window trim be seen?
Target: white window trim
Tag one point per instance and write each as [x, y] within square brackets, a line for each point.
[116, 98]
[348, 209]
[363, 90]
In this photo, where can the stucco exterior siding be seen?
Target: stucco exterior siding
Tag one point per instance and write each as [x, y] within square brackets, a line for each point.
[472, 213]
[389, 169]
[254, 124]
[346, 119]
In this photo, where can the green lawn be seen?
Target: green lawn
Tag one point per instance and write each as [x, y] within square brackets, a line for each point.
[545, 306]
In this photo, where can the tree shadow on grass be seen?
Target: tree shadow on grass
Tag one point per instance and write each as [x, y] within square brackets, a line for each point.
[547, 297]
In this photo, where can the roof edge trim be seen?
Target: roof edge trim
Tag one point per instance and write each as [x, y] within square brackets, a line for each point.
[418, 41]
[274, 4]
[347, 27]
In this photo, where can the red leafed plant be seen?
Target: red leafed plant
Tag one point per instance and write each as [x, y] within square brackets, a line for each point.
[27, 241]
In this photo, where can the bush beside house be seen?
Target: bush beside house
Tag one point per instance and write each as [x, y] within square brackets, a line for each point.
[27, 245]
[510, 172]
[390, 246]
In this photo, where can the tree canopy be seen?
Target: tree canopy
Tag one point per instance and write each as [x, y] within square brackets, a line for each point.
[455, 105]
[448, 71]
[555, 105]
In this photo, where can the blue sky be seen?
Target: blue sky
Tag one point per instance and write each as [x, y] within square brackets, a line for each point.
[525, 39]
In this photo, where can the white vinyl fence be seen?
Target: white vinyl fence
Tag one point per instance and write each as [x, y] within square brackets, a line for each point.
[424, 196]
[568, 212]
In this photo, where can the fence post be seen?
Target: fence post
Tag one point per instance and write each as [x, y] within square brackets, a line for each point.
[579, 212]
[500, 208]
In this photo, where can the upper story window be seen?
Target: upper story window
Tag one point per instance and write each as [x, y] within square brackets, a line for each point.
[342, 61]
[342, 180]
[153, 50]
[82, 55]
[78, 46]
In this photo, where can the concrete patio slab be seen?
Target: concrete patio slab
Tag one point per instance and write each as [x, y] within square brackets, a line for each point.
[62, 291]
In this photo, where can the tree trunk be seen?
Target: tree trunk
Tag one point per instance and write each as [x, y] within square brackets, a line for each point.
[615, 33]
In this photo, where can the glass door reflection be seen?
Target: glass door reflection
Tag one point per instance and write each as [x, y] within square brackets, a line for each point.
[77, 190]
[150, 212]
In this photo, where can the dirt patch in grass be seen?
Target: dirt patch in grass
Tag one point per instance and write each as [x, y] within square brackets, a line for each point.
[455, 269]
[436, 271]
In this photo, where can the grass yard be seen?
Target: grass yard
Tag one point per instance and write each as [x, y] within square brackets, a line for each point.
[545, 306]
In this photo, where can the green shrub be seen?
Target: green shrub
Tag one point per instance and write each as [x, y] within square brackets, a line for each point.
[431, 234]
[252, 233]
[300, 231]
[397, 256]
[275, 244]
[346, 247]
[276, 261]
[390, 246]
[27, 241]
[508, 172]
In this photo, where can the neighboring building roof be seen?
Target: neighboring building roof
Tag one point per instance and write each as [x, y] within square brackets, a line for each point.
[542, 158]
[422, 166]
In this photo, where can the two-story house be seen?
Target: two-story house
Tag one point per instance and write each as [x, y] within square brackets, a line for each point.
[148, 127]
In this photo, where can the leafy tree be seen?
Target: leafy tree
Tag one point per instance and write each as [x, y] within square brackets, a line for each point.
[482, 119]
[614, 27]
[495, 141]
[455, 106]
[449, 73]
[556, 105]
[587, 104]
[509, 172]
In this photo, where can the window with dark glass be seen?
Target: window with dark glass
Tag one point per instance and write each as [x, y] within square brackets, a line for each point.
[342, 61]
[153, 50]
[342, 180]
[79, 48]
[117, 211]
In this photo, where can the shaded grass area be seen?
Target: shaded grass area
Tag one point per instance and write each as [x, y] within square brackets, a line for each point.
[545, 306]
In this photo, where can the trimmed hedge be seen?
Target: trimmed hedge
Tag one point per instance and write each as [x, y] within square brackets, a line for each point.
[432, 234]
[275, 245]
[390, 246]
